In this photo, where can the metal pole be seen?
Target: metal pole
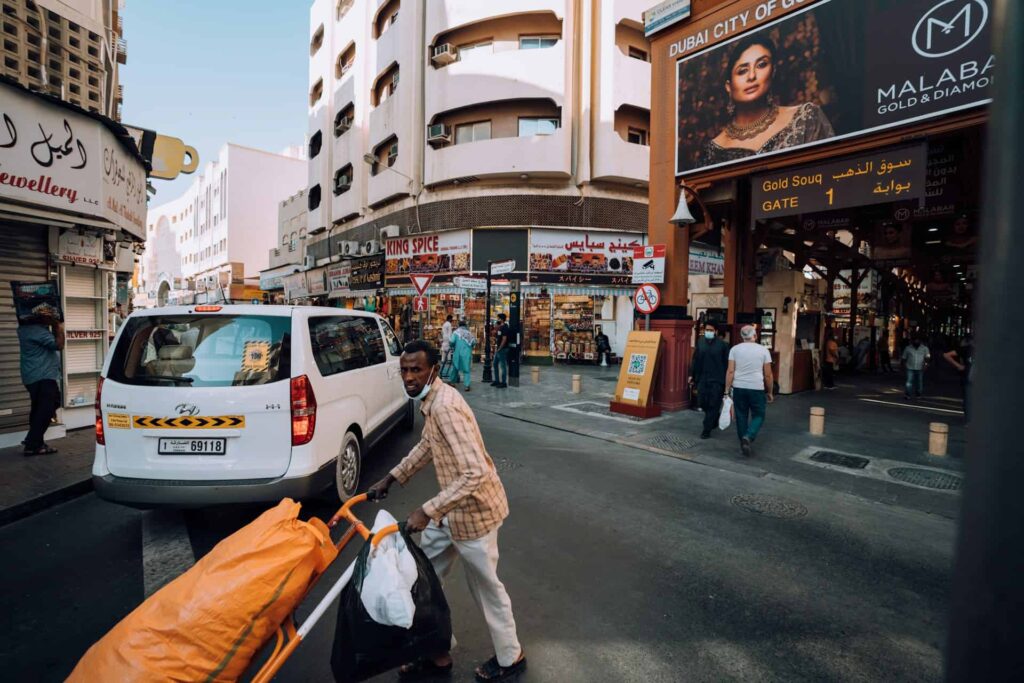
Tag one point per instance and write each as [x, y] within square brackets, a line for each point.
[487, 329]
[647, 322]
[986, 618]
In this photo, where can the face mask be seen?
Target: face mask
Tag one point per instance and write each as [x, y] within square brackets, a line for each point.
[709, 335]
[426, 388]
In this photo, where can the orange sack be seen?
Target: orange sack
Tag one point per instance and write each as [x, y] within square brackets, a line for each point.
[208, 623]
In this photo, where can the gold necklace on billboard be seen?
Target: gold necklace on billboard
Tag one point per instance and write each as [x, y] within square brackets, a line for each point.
[752, 130]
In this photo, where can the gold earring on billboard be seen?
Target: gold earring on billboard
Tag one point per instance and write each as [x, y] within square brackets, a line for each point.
[730, 109]
[771, 99]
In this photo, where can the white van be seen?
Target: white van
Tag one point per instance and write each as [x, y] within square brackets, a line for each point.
[200, 405]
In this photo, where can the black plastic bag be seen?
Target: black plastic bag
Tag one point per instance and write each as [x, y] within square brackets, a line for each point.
[363, 648]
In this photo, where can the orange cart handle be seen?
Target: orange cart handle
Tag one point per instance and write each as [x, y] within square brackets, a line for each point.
[345, 512]
[384, 533]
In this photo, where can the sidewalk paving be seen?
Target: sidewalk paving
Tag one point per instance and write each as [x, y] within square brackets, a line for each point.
[28, 485]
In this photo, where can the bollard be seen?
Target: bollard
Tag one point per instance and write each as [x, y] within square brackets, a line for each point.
[577, 384]
[535, 374]
[817, 420]
[938, 438]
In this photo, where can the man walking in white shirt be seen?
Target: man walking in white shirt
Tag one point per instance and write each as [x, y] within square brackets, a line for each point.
[749, 379]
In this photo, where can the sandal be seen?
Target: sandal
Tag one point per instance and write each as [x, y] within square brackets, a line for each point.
[42, 450]
[423, 668]
[492, 671]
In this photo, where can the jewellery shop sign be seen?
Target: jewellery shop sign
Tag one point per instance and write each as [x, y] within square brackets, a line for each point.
[762, 78]
[53, 157]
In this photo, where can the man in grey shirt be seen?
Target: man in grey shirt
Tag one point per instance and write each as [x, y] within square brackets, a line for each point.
[915, 361]
[40, 372]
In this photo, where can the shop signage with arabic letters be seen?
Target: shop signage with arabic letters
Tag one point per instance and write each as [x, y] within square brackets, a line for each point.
[890, 175]
[838, 69]
[706, 261]
[581, 257]
[53, 157]
[85, 249]
[338, 275]
[443, 254]
[367, 274]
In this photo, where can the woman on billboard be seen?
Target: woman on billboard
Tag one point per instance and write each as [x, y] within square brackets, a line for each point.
[757, 123]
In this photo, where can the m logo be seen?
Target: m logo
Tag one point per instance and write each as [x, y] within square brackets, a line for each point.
[949, 26]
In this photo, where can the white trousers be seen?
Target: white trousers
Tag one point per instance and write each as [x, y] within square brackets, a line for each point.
[480, 557]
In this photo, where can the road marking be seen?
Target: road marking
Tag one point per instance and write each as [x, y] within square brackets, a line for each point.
[166, 548]
[915, 407]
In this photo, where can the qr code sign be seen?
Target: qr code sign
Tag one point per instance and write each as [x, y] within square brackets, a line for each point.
[637, 364]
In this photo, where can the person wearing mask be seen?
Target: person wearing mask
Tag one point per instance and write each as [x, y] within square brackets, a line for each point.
[915, 362]
[463, 342]
[603, 346]
[501, 340]
[707, 373]
[749, 380]
[462, 521]
[828, 369]
[40, 343]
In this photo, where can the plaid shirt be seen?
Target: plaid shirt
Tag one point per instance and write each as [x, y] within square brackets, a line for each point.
[471, 497]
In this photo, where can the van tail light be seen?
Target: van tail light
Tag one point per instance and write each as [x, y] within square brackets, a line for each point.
[100, 438]
[303, 411]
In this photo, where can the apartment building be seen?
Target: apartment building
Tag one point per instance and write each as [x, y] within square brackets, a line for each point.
[509, 120]
[71, 49]
[289, 256]
[211, 243]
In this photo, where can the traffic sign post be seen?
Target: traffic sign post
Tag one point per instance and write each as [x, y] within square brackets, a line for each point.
[646, 300]
[420, 304]
[649, 264]
[514, 315]
[502, 267]
[421, 281]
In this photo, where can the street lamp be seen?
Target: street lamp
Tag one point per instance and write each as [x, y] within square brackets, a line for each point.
[683, 216]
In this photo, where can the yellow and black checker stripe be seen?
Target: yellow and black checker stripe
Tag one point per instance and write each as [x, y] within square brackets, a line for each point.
[189, 422]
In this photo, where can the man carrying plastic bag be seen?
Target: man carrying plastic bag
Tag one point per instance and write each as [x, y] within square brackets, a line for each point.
[462, 521]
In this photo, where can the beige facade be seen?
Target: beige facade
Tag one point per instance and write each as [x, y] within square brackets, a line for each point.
[71, 49]
[484, 101]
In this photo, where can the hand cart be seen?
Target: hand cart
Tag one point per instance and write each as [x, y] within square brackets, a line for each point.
[288, 636]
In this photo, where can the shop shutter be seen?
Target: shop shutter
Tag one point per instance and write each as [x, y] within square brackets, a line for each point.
[81, 390]
[22, 257]
[85, 313]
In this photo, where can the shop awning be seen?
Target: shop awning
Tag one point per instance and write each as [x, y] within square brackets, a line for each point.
[528, 288]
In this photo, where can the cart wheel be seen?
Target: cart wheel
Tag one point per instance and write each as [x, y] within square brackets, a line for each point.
[348, 467]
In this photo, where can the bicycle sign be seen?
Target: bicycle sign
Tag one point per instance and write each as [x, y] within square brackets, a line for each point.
[646, 299]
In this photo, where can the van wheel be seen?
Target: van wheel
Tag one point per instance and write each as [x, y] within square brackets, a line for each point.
[409, 419]
[348, 467]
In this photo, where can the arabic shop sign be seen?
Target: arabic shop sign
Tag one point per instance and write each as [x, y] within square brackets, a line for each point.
[85, 249]
[367, 274]
[442, 254]
[52, 157]
[890, 175]
[581, 257]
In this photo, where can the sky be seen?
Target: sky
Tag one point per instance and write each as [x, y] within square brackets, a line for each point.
[216, 71]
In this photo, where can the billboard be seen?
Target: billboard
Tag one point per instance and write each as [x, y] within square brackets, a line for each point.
[831, 71]
[582, 257]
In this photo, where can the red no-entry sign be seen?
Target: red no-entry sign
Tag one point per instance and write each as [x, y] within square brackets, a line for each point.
[647, 298]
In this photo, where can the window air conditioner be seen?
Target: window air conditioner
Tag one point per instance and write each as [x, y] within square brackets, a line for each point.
[439, 134]
[342, 125]
[388, 231]
[342, 184]
[444, 54]
[309, 262]
[349, 248]
[371, 247]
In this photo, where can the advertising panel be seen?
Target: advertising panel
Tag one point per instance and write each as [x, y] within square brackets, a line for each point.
[367, 274]
[443, 254]
[338, 276]
[581, 257]
[84, 249]
[830, 71]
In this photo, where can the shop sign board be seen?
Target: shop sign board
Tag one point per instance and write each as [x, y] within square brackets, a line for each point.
[295, 286]
[639, 362]
[582, 257]
[440, 254]
[649, 264]
[367, 274]
[316, 281]
[664, 14]
[470, 282]
[81, 248]
[647, 298]
[912, 60]
[866, 292]
[706, 261]
[54, 157]
[338, 276]
[890, 175]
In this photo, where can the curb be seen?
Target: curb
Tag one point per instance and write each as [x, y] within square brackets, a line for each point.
[47, 500]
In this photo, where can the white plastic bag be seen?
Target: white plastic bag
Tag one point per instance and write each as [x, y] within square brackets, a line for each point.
[725, 418]
[390, 575]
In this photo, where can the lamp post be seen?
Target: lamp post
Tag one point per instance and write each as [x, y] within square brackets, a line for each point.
[487, 329]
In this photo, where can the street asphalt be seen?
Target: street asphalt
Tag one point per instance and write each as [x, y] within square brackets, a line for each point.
[622, 565]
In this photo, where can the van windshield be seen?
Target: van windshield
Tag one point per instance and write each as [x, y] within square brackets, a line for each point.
[202, 351]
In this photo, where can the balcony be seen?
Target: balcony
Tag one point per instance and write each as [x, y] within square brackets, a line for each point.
[632, 81]
[619, 161]
[507, 75]
[122, 51]
[285, 256]
[447, 14]
[539, 156]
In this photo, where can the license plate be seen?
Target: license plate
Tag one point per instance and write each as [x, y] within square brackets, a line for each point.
[192, 446]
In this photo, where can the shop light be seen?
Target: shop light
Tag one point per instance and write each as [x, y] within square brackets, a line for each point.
[933, 229]
[934, 242]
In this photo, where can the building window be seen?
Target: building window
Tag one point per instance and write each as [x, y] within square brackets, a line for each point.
[531, 125]
[387, 18]
[537, 42]
[346, 60]
[392, 153]
[475, 50]
[343, 7]
[314, 198]
[386, 153]
[343, 120]
[472, 132]
[317, 41]
[386, 85]
[343, 180]
[316, 92]
[316, 143]
[637, 53]
[638, 136]
[284, 240]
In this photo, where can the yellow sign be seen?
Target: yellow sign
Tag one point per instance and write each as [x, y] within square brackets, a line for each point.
[638, 365]
[256, 357]
[118, 421]
[189, 422]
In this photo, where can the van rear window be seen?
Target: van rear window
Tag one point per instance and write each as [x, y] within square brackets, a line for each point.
[203, 351]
